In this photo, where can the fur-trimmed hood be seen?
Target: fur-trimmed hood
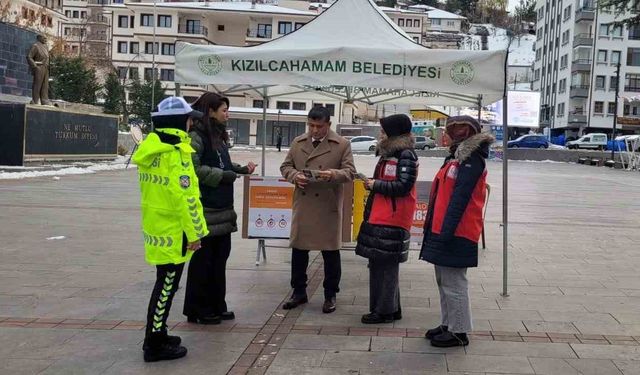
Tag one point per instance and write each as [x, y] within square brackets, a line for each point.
[389, 146]
[479, 142]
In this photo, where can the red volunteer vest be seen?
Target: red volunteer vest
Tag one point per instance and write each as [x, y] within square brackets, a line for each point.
[470, 226]
[392, 211]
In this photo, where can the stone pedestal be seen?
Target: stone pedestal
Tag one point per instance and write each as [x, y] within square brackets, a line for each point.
[31, 133]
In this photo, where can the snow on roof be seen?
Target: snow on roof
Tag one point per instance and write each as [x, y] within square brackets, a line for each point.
[398, 10]
[231, 7]
[439, 13]
[270, 111]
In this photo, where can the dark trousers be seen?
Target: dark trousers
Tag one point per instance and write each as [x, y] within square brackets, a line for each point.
[384, 289]
[206, 280]
[167, 281]
[332, 272]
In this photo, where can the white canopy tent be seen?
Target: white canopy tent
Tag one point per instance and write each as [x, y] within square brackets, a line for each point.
[353, 52]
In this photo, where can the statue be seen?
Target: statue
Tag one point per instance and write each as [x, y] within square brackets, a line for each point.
[38, 59]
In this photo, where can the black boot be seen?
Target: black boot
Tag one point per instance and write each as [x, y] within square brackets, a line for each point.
[375, 318]
[398, 314]
[206, 320]
[159, 349]
[171, 340]
[433, 332]
[450, 339]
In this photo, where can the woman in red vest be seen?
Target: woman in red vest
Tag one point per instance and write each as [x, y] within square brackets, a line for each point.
[384, 236]
[454, 224]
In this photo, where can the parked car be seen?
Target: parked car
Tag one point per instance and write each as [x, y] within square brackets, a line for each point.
[424, 143]
[363, 143]
[594, 141]
[529, 141]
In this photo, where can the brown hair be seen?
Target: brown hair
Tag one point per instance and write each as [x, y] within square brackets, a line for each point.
[216, 130]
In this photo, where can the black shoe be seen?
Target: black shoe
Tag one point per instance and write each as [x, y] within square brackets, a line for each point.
[433, 332]
[294, 302]
[329, 305]
[171, 340]
[375, 318]
[164, 352]
[397, 315]
[210, 320]
[227, 315]
[450, 339]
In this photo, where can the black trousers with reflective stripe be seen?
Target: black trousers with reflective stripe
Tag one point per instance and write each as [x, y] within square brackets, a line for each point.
[167, 281]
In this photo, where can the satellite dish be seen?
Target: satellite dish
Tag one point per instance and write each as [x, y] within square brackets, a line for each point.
[136, 134]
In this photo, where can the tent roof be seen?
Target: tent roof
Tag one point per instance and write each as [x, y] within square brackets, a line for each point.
[350, 46]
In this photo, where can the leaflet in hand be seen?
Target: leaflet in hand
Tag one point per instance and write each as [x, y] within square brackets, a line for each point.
[311, 174]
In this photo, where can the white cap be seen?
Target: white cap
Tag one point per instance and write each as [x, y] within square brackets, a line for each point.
[175, 105]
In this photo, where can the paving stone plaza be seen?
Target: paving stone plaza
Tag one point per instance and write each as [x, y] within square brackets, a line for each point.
[77, 305]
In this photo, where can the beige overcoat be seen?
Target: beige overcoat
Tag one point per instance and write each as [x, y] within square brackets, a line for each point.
[317, 210]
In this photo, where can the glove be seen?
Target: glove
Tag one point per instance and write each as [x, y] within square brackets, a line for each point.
[228, 177]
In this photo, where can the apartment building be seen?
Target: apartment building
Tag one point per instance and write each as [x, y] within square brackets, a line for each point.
[412, 22]
[43, 16]
[577, 52]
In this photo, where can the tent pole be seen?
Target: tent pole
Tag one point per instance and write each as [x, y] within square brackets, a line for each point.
[505, 186]
[265, 104]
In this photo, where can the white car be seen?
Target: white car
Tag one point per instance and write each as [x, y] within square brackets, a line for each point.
[363, 143]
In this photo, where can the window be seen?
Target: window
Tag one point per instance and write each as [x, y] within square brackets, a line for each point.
[401, 22]
[604, 30]
[150, 49]
[166, 74]
[264, 31]
[123, 22]
[615, 57]
[602, 56]
[168, 49]
[598, 107]
[613, 83]
[146, 20]
[435, 22]
[564, 61]
[193, 27]
[282, 105]
[632, 82]
[565, 37]
[634, 32]
[600, 82]
[416, 39]
[258, 103]
[567, 12]
[331, 108]
[122, 47]
[536, 74]
[451, 24]
[560, 111]
[83, 14]
[299, 106]
[134, 74]
[122, 72]
[164, 21]
[611, 108]
[132, 22]
[563, 85]
[147, 73]
[626, 110]
[67, 13]
[633, 56]
[76, 14]
[299, 25]
[617, 31]
[134, 48]
[540, 13]
[220, 27]
[539, 34]
[66, 31]
[538, 53]
[284, 28]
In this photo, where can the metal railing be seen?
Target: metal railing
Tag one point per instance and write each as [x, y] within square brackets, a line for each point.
[192, 29]
[579, 87]
[632, 88]
[582, 61]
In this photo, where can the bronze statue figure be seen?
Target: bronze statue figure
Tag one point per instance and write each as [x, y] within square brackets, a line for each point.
[38, 59]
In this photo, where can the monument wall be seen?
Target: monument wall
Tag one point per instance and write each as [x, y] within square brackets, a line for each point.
[15, 43]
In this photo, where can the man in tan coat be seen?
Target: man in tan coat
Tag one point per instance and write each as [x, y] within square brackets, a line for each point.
[317, 204]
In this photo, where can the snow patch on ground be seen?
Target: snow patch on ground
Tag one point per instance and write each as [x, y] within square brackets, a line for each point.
[521, 51]
[56, 238]
[58, 170]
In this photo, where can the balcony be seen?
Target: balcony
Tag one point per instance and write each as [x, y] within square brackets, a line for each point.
[586, 13]
[579, 91]
[258, 33]
[632, 88]
[192, 29]
[101, 38]
[98, 20]
[577, 117]
[99, 2]
[581, 65]
[583, 40]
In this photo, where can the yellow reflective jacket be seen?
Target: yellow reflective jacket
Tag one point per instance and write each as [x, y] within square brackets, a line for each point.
[170, 198]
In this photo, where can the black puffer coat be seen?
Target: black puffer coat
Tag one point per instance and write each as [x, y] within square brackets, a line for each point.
[385, 242]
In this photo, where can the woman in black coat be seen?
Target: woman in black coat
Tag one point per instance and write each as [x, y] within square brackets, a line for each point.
[385, 233]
